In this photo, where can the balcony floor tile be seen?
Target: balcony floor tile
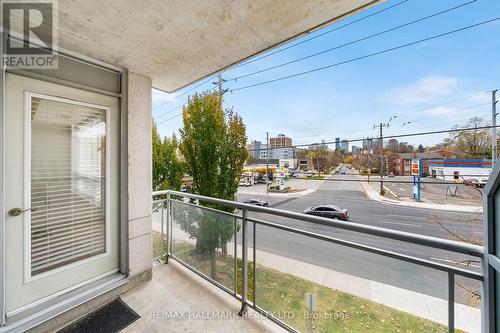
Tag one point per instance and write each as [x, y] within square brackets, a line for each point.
[175, 290]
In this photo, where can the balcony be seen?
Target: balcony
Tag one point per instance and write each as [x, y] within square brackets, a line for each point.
[258, 262]
[178, 301]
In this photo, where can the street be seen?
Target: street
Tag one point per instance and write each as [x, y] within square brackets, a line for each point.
[349, 194]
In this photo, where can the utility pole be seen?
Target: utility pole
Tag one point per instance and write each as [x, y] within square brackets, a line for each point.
[382, 160]
[494, 149]
[267, 163]
[370, 151]
[219, 83]
[381, 169]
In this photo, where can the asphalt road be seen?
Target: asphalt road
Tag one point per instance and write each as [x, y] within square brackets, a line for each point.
[350, 195]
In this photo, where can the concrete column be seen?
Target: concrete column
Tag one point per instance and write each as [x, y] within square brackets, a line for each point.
[139, 174]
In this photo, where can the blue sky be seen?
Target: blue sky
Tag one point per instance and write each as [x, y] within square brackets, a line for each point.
[347, 100]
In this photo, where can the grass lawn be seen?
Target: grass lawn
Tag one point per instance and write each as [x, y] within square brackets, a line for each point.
[317, 177]
[284, 295]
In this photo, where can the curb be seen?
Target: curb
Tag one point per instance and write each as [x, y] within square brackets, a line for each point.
[295, 194]
[374, 195]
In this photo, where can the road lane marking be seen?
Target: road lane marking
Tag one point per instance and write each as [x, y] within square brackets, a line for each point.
[409, 216]
[400, 223]
[457, 263]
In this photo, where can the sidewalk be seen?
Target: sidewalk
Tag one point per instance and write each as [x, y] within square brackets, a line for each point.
[306, 187]
[373, 194]
[436, 309]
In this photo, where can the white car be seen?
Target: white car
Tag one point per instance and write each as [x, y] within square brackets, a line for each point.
[480, 182]
[244, 182]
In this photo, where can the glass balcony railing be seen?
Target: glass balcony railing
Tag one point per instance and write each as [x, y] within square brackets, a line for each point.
[353, 278]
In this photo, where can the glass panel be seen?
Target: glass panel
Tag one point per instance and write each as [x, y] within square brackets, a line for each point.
[204, 239]
[467, 305]
[159, 230]
[313, 285]
[68, 166]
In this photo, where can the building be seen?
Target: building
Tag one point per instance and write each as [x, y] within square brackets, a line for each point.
[304, 164]
[402, 161]
[254, 149]
[337, 143]
[459, 169]
[344, 146]
[281, 141]
[393, 145]
[274, 153]
[355, 149]
[367, 145]
[404, 147]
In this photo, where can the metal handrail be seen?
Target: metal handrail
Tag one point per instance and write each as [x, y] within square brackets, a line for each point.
[434, 242]
[438, 243]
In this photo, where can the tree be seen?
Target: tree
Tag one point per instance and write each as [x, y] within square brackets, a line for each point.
[473, 143]
[348, 159]
[168, 170]
[420, 148]
[213, 146]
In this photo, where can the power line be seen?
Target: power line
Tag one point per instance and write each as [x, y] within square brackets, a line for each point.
[169, 111]
[352, 42]
[187, 91]
[175, 108]
[449, 113]
[367, 55]
[320, 35]
[163, 121]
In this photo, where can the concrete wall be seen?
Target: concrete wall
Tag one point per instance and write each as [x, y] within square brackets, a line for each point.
[139, 174]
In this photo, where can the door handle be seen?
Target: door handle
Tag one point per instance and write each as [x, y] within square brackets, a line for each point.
[19, 211]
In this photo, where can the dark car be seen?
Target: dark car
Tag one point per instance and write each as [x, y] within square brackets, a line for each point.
[257, 202]
[328, 211]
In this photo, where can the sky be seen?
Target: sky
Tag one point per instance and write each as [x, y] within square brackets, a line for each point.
[417, 84]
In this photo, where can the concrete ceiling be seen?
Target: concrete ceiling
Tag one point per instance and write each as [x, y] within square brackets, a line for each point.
[177, 42]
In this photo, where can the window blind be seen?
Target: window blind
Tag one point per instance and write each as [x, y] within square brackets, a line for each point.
[68, 164]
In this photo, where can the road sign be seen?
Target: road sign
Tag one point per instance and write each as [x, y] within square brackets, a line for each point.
[415, 168]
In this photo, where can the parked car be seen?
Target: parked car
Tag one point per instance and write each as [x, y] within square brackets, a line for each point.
[264, 180]
[480, 182]
[244, 182]
[328, 211]
[257, 202]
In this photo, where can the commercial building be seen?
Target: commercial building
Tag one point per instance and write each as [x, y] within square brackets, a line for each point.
[254, 149]
[459, 169]
[402, 161]
[393, 145]
[337, 143]
[367, 145]
[344, 146]
[281, 141]
[275, 153]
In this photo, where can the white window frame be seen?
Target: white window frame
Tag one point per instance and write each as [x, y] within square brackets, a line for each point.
[27, 186]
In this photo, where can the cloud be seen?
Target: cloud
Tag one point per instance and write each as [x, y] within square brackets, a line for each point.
[426, 89]
[440, 111]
